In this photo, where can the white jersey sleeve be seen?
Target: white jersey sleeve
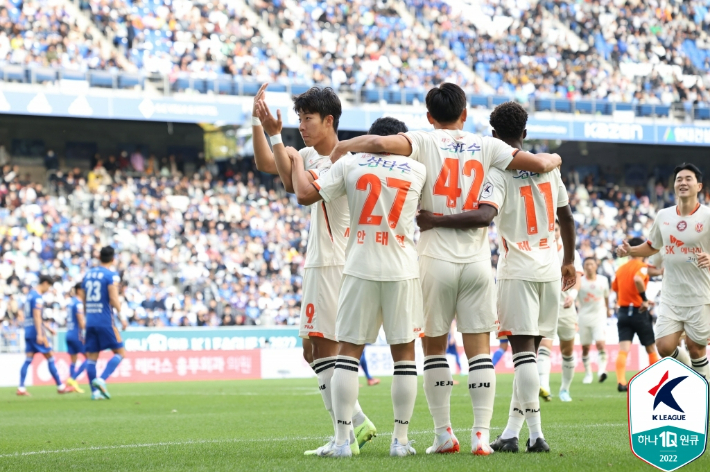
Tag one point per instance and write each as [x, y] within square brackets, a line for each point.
[498, 153]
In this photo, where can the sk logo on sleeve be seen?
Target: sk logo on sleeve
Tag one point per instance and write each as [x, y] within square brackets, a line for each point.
[668, 414]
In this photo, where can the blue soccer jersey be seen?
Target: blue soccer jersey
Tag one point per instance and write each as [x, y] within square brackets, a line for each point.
[99, 312]
[73, 308]
[34, 301]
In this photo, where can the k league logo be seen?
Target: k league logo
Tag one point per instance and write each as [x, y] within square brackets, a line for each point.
[668, 414]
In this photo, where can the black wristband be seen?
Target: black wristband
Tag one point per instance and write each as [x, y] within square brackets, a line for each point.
[643, 296]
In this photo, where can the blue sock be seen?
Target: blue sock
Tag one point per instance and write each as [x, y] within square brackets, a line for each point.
[363, 364]
[23, 371]
[72, 370]
[497, 355]
[53, 371]
[111, 366]
[91, 372]
[78, 372]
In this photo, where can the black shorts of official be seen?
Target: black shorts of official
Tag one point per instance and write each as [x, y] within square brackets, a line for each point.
[638, 323]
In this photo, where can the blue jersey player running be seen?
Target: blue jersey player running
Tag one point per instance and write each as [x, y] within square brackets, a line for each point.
[100, 295]
[35, 338]
[76, 323]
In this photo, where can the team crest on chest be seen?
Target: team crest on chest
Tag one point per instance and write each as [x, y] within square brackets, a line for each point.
[699, 227]
[682, 225]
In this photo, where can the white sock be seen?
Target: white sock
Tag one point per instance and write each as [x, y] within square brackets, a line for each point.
[527, 385]
[345, 389]
[568, 365]
[482, 388]
[544, 365]
[324, 370]
[681, 355]
[516, 417]
[700, 366]
[438, 384]
[602, 362]
[404, 394]
[587, 364]
[358, 416]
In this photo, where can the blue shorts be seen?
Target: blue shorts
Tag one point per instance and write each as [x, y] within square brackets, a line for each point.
[100, 338]
[74, 344]
[452, 349]
[31, 346]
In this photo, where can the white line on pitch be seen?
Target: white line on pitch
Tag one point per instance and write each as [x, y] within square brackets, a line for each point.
[237, 440]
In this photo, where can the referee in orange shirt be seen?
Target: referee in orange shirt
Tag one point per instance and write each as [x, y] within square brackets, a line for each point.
[632, 312]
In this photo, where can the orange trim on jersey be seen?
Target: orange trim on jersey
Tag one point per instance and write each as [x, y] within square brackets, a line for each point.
[327, 221]
[315, 334]
[648, 241]
[505, 245]
[118, 335]
[486, 202]
[504, 333]
[406, 137]
[677, 210]
[316, 185]
[313, 173]
[515, 151]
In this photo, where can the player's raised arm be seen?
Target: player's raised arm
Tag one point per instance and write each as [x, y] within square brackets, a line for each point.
[398, 145]
[263, 157]
[306, 192]
[273, 127]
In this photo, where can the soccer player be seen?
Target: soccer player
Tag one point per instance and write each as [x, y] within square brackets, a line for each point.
[456, 275]
[319, 111]
[76, 324]
[566, 330]
[380, 284]
[35, 338]
[682, 232]
[593, 313]
[632, 307]
[529, 272]
[99, 293]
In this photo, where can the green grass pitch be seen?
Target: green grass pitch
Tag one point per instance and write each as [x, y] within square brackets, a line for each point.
[267, 424]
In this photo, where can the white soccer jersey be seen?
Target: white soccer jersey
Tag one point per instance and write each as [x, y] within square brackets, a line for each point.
[327, 236]
[592, 308]
[457, 163]
[527, 204]
[680, 238]
[383, 192]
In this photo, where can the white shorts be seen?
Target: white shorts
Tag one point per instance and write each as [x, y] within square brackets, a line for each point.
[591, 333]
[462, 291]
[319, 305]
[694, 320]
[365, 305]
[528, 308]
[567, 323]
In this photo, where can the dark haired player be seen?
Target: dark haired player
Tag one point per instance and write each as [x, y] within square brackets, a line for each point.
[455, 270]
[99, 292]
[682, 233]
[76, 324]
[319, 111]
[529, 272]
[35, 339]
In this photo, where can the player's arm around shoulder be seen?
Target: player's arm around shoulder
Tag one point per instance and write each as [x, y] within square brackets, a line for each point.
[398, 144]
[539, 163]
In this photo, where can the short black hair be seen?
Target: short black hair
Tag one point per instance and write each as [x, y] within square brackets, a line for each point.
[635, 242]
[46, 278]
[387, 126]
[591, 258]
[509, 120]
[323, 101]
[446, 102]
[78, 287]
[691, 167]
[106, 254]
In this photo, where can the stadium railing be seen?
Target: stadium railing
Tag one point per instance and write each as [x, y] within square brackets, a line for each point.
[224, 84]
